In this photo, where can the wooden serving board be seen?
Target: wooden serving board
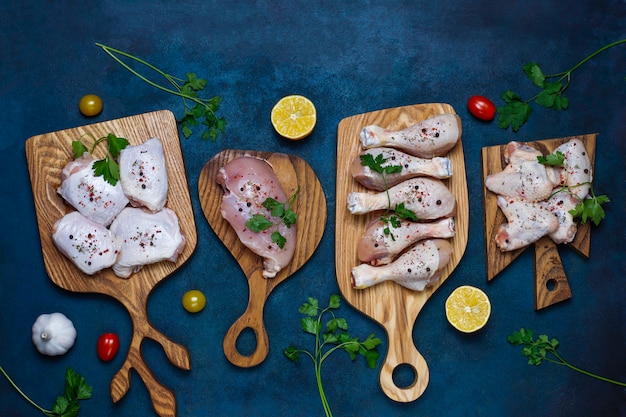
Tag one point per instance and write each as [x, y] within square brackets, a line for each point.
[310, 207]
[551, 284]
[391, 305]
[47, 154]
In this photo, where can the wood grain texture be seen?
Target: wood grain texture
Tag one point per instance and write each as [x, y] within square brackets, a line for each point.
[310, 206]
[391, 305]
[551, 284]
[46, 155]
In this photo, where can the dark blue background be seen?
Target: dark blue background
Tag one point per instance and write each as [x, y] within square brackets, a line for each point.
[349, 57]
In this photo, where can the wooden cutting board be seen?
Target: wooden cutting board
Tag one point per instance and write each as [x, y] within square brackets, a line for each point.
[391, 305]
[47, 154]
[551, 285]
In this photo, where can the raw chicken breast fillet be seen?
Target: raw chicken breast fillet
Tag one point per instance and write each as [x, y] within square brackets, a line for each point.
[143, 174]
[89, 245]
[419, 267]
[91, 195]
[412, 166]
[431, 137]
[247, 182]
[146, 238]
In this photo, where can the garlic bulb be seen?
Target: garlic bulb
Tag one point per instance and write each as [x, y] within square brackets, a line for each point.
[53, 334]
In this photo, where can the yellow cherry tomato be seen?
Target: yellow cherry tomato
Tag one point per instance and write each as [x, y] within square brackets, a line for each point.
[194, 301]
[90, 105]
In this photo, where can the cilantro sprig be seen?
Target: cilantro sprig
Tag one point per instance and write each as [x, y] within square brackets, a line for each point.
[66, 405]
[108, 166]
[544, 349]
[392, 217]
[330, 337]
[283, 211]
[197, 110]
[516, 111]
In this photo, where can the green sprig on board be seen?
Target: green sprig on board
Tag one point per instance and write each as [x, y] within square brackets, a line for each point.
[197, 110]
[330, 337]
[283, 211]
[107, 167]
[516, 111]
[543, 348]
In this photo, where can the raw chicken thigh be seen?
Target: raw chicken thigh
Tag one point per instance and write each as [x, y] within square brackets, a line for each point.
[379, 248]
[419, 267]
[147, 238]
[412, 166]
[89, 245]
[428, 198]
[431, 137]
[91, 195]
[143, 174]
[247, 183]
[527, 223]
[524, 177]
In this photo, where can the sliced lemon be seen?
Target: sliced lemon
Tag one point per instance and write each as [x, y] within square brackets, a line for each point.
[468, 309]
[294, 117]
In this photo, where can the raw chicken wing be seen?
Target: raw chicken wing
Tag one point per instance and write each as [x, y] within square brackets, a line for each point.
[412, 166]
[143, 174]
[577, 171]
[431, 137]
[527, 223]
[89, 245]
[247, 183]
[91, 195]
[419, 267]
[147, 238]
[428, 198]
[560, 204]
[379, 248]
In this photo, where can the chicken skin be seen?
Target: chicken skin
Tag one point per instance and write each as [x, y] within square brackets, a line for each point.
[527, 223]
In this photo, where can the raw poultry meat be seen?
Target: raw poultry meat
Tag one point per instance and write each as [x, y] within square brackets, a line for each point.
[143, 174]
[146, 238]
[247, 182]
[428, 198]
[560, 205]
[527, 222]
[379, 248]
[417, 268]
[89, 245]
[91, 195]
[431, 137]
[577, 171]
[524, 177]
[412, 166]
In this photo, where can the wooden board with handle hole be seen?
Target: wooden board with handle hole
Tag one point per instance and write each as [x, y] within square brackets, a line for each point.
[551, 285]
[394, 307]
[47, 154]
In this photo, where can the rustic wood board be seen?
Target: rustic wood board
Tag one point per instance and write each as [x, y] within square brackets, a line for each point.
[310, 206]
[47, 154]
[392, 306]
[551, 284]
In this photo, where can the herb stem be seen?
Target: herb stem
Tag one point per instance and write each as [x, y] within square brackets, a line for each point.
[575, 67]
[31, 402]
[563, 362]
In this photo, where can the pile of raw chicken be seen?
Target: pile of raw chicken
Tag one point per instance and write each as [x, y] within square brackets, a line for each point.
[123, 226]
[411, 253]
[535, 198]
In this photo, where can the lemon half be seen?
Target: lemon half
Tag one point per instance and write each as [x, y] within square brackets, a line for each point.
[294, 117]
[468, 309]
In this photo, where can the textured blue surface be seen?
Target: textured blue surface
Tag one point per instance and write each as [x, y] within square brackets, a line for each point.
[349, 57]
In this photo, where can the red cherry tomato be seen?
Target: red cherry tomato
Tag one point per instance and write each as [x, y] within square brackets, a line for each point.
[481, 108]
[108, 345]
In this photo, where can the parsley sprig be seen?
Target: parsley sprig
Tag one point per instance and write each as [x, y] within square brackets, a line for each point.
[108, 166]
[392, 217]
[67, 405]
[330, 337]
[259, 222]
[196, 110]
[516, 111]
[544, 349]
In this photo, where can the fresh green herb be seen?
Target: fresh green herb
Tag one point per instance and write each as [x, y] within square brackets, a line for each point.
[516, 111]
[108, 166]
[66, 405]
[196, 110]
[544, 349]
[329, 338]
[258, 222]
[553, 159]
[400, 212]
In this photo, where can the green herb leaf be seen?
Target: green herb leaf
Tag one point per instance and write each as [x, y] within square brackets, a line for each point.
[590, 209]
[278, 239]
[115, 145]
[554, 159]
[258, 223]
[404, 213]
[534, 74]
[78, 149]
[515, 113]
